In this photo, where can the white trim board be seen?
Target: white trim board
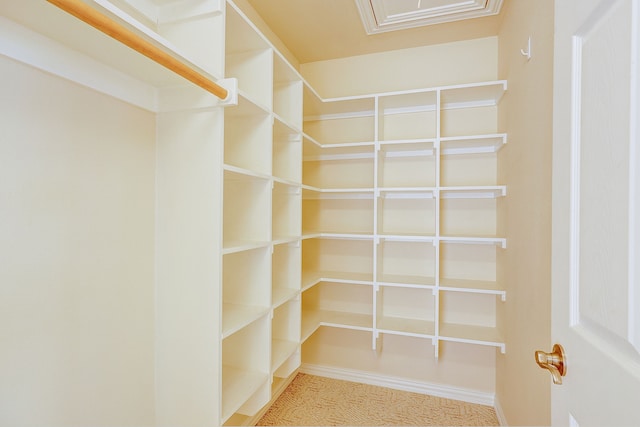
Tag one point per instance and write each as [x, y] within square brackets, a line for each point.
[438, 390]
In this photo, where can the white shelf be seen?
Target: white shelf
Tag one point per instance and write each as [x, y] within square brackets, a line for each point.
[311, 278]
[313, 319]
[473, 286]
[285, 272]
[282, 350]
[337, 235]
[237, 316]
[332, 108]
[475, 240]
[285, 334]
[477, 144]
[245, 288]
[417, 147]
[470, 334]
[407, 192]
[473, 192]
[236, 385]
[472, 95]
[287, 93]
[247, 139]
[287, 153]
[249, 58]
[434, 182]
[404, 326]
[407, 237]
[245, 374]
[309, 193]
[405, 280]
[286, 211]
[280, 296]
[246, 198]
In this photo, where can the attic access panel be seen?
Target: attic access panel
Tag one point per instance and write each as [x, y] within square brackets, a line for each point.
[388, 15]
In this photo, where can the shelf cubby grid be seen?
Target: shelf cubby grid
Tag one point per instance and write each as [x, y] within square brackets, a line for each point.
[246, 288]
[406, 311]
[403, 263]
[285, 272]
[245, 200]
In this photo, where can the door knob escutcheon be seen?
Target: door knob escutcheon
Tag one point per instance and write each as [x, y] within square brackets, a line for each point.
[555, 362]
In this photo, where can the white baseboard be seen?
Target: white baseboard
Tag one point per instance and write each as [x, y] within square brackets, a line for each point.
[500, 413]
[438, 390]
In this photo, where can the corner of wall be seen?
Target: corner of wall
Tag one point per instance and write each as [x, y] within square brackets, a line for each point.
[257, 20]
[522, 394]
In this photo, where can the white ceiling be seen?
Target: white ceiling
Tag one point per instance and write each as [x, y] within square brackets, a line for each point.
[316, 30]
[391, 15]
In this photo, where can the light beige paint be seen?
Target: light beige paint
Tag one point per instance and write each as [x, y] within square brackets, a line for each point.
[427, 66]
[523, 389]
[77, 249]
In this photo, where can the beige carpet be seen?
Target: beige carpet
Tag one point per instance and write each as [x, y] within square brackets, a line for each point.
[316, 401]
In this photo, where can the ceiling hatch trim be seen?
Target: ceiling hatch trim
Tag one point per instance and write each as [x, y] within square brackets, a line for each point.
[379, 16]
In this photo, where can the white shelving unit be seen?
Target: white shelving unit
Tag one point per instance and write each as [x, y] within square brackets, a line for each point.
[261, 224]
[400, 200]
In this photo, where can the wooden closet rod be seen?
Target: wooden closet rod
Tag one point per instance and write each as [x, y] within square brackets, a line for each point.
[111, 28]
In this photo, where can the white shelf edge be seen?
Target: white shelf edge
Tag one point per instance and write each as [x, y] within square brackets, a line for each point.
[407, 141]
[236, 247]
[407, 192]
[285, 122]
[501, 293]
[337, 193]
[246, 172]
[473, 192]
[398, 284]
[335, 157]
[444, 106]
[249, 315]
[501, 345]
[500, 241]
[285, 181]
[407, 237]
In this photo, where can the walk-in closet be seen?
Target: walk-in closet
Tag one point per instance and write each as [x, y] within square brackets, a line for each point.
[176, 256]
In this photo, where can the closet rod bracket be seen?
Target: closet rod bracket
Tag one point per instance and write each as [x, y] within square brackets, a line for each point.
[231, 85]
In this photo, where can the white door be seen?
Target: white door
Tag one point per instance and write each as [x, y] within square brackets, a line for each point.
[596, 212]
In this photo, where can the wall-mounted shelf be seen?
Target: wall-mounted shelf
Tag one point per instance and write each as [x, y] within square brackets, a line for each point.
[398, 182]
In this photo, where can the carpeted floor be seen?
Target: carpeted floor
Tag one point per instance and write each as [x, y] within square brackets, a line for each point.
[317, 401]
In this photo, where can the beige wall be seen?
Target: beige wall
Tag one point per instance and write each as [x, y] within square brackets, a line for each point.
[77, 250]
[428, 66]
[523, 389]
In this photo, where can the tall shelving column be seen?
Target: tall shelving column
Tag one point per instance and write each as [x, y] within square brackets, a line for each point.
[406, 229]
[246, 222]
[338, 213]
[286, 223]
[261, 223]
[468, 214]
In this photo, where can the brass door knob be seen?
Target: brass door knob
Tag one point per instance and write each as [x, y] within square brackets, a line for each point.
[555, 362]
